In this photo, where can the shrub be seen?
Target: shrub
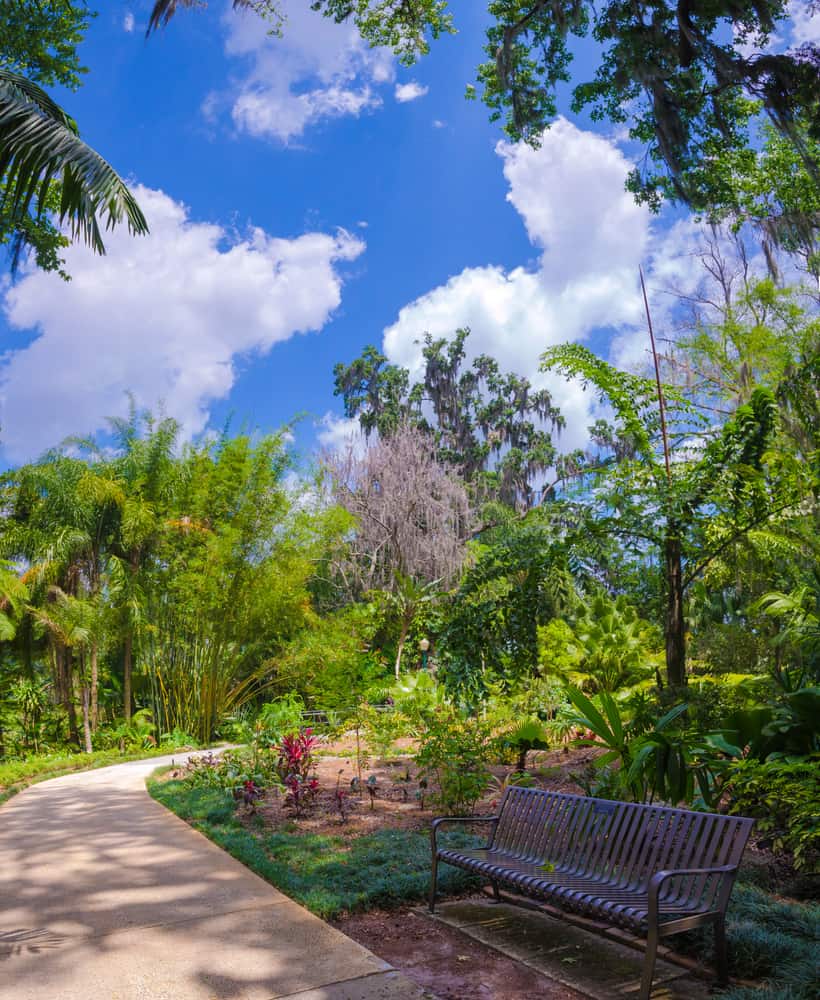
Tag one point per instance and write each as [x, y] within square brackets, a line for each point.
[454, 753]
[278, 718]
[383, 728]
[784, 796]
[295, 766]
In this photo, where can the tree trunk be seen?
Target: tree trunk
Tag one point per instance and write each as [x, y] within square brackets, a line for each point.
[89, 748]
[68, 695]
[126, 677]
[95, 677]
[675, 624]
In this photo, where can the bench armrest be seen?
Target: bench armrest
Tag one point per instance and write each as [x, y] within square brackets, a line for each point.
[660, 877]
[458, 819]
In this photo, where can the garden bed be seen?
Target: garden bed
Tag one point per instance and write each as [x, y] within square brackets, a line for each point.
[396, 803]
[364, 870]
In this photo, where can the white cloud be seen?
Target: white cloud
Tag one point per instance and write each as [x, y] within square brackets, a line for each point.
[164, 316]
[410, 91]
[592, 237]
[128, 22]
[438, 123]
[337, 434]
[805, 23]
[316, 71]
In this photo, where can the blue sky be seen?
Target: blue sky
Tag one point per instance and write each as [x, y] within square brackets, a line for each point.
[300, 209]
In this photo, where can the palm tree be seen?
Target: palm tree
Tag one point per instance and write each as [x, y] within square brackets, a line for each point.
[66, 620]
[40, 146]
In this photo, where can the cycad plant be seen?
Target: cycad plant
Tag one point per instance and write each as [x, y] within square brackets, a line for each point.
[663, 762]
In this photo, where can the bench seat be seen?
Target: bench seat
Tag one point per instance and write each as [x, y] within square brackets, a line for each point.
[651, 869]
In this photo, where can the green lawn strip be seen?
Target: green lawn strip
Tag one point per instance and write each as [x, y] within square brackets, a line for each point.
[19, 774]
[327, 874]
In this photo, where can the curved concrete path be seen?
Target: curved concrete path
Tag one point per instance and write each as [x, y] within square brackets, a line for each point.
[105, 895]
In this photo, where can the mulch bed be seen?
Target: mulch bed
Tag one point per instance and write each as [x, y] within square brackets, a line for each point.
[396, 804]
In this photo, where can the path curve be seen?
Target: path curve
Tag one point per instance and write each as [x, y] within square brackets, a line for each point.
[105, 895]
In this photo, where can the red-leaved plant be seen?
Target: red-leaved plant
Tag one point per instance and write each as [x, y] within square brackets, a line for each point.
[294, 766]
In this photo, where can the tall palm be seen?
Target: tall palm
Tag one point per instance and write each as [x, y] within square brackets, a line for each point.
[40, 145]
[147, 470]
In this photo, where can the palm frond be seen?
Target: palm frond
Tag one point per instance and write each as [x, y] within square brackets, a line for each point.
[39, 144]
[164, 10]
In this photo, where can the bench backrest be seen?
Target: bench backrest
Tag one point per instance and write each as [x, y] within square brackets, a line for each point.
[624, 842]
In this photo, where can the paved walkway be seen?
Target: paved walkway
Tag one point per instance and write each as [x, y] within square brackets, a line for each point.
[104, 895]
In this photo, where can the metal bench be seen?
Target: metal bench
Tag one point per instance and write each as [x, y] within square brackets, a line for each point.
[652, 869]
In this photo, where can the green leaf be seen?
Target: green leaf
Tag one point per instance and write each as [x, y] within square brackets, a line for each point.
[39, 144]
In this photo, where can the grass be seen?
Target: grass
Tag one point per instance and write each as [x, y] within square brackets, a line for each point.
[770, 939]
[16, 775]
[327, 874]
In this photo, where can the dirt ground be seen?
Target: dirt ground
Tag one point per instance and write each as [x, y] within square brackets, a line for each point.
[447, 962]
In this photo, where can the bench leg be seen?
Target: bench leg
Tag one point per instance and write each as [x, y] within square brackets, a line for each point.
[496, 893]
[721, 955]
[433, 879]
[649, 963]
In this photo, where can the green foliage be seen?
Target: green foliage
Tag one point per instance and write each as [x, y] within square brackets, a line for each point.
[655, 758]
[520, 580]
[714, 699]
[223, 595]
[39, 40]
[785, 798]
[328, 875]
[800, 613]
[703, 500]
[787, 726]
[524, 736]
[558, 654]
[676, 74]
[489, 424]
[402, 27]
[453, 753]
[771, 188]
[382, 727]
[278, 718]
[331, 663]
[138, 732]
[40, 144]
[612, 645]
[416, 697]
[232, 770]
